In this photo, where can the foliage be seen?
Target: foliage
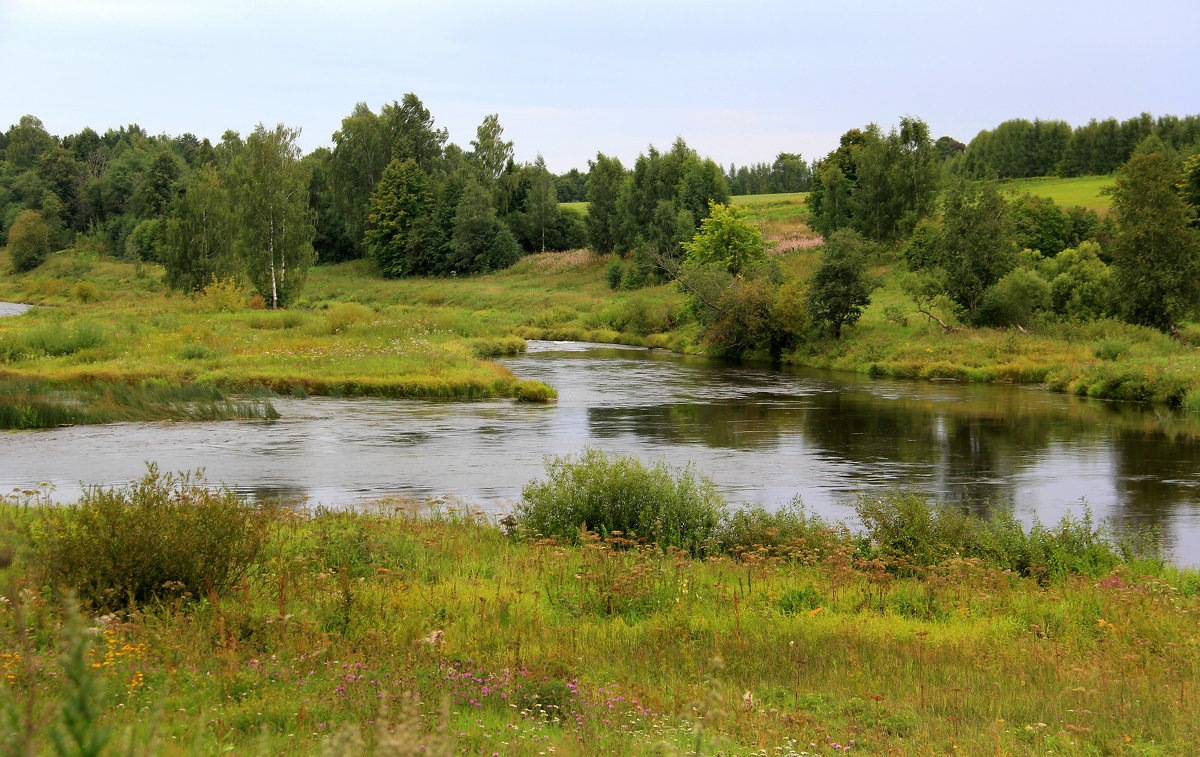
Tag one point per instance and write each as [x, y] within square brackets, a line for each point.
[28, 242]
[1082, 284]
[1017, 299]
[397, 205]
[480, 242]
[975, 249]
[879, 184]
[198, 245]
[605, 180]
[1156, 256]
[728, 239]
[164, 535]
[274, 225]
[146, 240]
[613, 494]
[840, 287]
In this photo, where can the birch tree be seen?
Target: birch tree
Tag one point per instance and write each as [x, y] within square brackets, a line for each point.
[275, 227]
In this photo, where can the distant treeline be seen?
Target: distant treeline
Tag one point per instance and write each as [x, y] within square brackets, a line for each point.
[393, 190]
[1019, 148]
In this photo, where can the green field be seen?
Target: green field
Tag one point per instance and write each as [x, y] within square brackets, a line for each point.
[1084, 191]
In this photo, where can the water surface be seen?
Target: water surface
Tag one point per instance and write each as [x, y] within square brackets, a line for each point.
[763, 435]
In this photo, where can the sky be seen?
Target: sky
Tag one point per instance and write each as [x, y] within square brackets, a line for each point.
[740, 82]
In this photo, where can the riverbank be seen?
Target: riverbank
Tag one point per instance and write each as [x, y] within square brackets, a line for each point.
[109, 322]
[419, 623]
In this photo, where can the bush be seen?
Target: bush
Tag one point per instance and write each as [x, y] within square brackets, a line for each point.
[783, 531]
[606, 493]
[1015, 300]
[614, 272]
[163, 535]
[28, 241]
[1111, 349]
[222, 296]
[85, 291]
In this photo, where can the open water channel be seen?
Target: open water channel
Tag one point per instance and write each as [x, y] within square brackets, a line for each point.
[763, 435]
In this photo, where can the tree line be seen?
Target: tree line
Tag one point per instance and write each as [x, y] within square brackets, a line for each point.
[969, 254]
[1020, 148]
[394, 191]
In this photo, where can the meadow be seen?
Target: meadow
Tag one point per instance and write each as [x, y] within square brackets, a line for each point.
[423, 628]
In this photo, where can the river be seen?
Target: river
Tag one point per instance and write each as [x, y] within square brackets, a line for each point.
[764, 435]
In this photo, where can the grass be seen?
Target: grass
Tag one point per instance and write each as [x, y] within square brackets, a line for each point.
[351, 629]
[137, 331]
[1084, 191]
[26, 404]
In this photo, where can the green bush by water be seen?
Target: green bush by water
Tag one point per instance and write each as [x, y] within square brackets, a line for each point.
[607, 493]
[164, 535]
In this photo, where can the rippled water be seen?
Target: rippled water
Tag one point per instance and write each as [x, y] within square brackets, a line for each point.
[763, 435]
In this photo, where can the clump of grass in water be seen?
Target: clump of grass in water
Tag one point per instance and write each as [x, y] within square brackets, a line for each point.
[26, 404]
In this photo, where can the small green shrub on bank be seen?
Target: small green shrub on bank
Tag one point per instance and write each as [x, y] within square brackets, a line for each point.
[606, 493]
[906, 528]
[164, 535]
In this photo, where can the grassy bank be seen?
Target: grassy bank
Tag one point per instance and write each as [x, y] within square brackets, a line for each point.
[112, 323]
[411, 626]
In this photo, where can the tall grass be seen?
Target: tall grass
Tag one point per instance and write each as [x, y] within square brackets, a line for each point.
[28, 404]
[610, 647]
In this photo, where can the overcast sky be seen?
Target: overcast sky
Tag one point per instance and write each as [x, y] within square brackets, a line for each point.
[739, 81]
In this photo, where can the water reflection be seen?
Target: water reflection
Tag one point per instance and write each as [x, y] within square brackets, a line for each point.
[764, 435]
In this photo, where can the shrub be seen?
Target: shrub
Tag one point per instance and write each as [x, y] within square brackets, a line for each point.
[785, 530]
[222, 296]
[614, 272]
[343, 315]
[1111, 349]
[85, 291]
[163, 535]
[606, 493]
[28, 241]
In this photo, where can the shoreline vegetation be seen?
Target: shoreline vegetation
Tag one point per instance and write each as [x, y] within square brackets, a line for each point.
[114, 322]
[421, 627]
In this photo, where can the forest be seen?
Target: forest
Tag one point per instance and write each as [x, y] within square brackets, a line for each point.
[393, 190]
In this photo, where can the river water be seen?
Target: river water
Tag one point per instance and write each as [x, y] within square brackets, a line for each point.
[763, 435]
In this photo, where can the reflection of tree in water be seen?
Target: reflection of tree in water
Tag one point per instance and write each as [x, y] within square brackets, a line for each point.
[751, 422]
[1156, 473]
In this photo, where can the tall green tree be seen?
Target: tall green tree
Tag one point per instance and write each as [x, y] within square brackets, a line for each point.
[726, 238]
[840, 287]
[400, 202]
[541, 203]
[975, 248]
[606, 177]
[1155, 255]
[408, 132]
[489, 152]
[198, 245]
[27, 141]
[480, 242]
[274, 224]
